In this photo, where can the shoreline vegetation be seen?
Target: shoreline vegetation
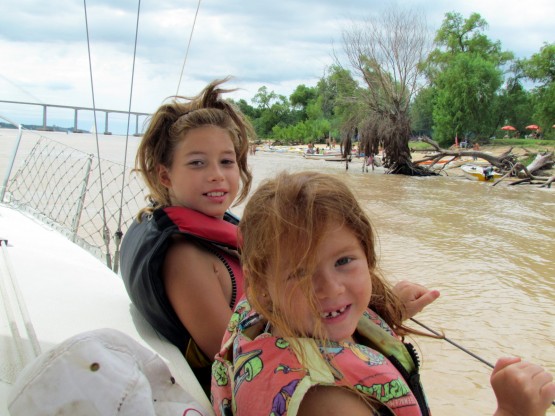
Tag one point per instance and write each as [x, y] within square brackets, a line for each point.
[524, 149]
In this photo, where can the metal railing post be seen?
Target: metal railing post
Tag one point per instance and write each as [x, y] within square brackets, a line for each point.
[10, 165]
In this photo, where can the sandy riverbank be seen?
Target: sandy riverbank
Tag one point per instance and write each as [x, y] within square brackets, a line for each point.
[453, 170]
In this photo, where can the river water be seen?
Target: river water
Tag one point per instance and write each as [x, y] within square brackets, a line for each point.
[489, 250]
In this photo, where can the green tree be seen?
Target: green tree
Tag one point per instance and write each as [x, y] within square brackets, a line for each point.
[459, 35]
[421, 112]
[246, 108]
[336, 92]
[465, 94]
[540, 68]
[273, 110]
[465, 72]
[264, 98]
[303, 96]
[515, 106]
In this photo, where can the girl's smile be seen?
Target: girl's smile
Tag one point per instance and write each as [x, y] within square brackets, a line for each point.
[341, 284]
[204, 175]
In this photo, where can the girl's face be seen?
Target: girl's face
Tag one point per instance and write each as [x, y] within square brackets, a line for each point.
[341, 282]
[204, 175]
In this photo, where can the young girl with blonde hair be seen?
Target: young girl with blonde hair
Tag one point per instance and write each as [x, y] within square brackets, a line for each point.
[321, 331]
[178, 259]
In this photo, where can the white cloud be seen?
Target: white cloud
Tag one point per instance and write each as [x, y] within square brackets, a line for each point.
[276, 44]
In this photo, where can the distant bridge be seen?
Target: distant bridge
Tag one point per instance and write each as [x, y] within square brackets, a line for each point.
[76, 111]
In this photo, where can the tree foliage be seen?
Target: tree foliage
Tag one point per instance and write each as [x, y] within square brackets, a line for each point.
[540, 68]
[392, 87]
[465, 95]
[459, 35]
[465, 71]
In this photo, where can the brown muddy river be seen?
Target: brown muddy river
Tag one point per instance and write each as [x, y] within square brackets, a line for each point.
[489, 250]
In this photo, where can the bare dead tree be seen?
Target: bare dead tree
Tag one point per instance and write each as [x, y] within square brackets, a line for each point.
[386, 54]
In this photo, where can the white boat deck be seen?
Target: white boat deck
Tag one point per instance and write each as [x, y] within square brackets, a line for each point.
[66, 291]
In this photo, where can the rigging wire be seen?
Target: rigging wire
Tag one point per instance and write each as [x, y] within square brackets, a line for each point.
[453, 343]
[457, 345]
[119, 233]
[105, 234]
[187, 51]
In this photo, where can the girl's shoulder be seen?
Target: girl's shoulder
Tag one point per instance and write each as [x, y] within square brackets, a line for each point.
[185, 248]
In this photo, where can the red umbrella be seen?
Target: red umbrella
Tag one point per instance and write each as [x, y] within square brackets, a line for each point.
[532, 127]
[511, 128]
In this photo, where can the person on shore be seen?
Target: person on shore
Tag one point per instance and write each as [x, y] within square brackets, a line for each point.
[320, 330]
[476, 148]
[179, 259]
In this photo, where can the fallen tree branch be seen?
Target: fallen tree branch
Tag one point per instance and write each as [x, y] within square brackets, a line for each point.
[504, 161]
[544, 181]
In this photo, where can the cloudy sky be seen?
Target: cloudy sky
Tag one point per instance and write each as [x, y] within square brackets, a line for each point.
[278, 44]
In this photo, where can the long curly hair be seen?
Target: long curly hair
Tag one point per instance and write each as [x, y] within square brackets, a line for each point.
[283, 224]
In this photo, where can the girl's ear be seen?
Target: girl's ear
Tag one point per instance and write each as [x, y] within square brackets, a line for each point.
[164, 177]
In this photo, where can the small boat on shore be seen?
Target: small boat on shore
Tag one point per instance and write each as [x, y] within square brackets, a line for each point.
[327, 158]
[480, 173]
[432, 162]
[337, 159]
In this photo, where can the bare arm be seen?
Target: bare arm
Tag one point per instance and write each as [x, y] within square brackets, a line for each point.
[521, 388]
[331, 401]
[198, 288]
[414, 296]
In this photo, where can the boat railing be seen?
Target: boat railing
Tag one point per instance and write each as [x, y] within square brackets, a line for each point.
[65, 188]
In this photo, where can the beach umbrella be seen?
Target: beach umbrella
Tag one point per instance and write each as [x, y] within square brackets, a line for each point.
[509, 128]
[533, 127]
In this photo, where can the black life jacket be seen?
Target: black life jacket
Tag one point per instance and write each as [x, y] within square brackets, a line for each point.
[144, 249]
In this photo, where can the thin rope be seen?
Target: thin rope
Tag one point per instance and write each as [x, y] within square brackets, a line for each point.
[119, 233]
[188, 46]
[106, 234]
[453, 343]
[457, 345]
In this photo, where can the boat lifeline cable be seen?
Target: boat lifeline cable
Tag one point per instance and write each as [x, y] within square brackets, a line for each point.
[187, 51]
[119, 234]
[106, 234]
[457, 345]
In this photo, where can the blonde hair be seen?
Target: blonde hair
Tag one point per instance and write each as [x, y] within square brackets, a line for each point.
[283, 223]
[173, 120]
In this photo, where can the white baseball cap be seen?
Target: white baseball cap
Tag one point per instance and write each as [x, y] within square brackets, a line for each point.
[101, 372]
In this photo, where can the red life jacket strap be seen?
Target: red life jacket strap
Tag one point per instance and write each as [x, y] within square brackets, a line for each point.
[209, 228]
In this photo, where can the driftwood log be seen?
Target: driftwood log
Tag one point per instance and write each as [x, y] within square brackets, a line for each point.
[507, 163]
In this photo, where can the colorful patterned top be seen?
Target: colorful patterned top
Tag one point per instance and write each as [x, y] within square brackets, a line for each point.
[258, 374]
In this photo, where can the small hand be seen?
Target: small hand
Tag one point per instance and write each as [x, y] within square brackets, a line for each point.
[415, 297]
[521, 388]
